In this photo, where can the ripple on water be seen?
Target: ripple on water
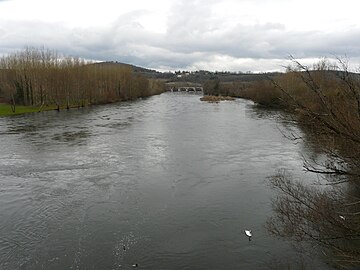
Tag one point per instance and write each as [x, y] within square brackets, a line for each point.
[174, 180]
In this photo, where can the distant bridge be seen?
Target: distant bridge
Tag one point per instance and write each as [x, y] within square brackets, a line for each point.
[184, 87]
[187, 89]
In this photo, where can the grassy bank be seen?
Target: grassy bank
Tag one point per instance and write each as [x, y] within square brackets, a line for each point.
[6, 109]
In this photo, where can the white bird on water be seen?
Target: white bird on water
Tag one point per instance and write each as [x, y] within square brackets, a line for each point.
[248, 234]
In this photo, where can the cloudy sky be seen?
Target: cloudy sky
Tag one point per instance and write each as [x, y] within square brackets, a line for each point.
[235, 35]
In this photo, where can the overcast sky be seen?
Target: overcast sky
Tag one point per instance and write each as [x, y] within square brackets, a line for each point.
[235, 35]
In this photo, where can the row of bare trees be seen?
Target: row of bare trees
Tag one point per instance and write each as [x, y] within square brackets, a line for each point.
[39, 77]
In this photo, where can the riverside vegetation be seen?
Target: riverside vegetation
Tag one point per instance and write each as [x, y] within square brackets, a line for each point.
[325, 101]
[39, 79]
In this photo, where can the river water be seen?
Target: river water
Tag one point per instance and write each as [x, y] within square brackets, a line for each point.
[167, 182]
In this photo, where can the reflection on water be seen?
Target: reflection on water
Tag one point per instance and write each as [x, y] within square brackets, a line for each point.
[168, 182]
[77, 137]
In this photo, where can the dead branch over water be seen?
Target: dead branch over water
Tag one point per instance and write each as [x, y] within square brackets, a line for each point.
[325, 101]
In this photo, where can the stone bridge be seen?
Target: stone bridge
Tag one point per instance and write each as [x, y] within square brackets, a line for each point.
[186, 89]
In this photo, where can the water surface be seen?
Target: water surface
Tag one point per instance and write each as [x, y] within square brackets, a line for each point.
[167, 182]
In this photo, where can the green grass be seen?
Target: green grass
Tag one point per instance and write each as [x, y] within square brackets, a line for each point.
[5, 109]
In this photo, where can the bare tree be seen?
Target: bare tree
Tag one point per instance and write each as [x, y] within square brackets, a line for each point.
[328, 107]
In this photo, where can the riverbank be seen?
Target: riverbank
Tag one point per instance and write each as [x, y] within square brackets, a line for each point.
[325, 102]
[28, 79]
[6, 109]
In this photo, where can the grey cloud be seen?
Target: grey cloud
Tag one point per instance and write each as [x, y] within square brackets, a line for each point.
[192, 39]
[17, 35]
[241, 41]
[262, 42]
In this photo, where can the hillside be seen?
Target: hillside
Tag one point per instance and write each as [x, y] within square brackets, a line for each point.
[149, 73]
[200, 76]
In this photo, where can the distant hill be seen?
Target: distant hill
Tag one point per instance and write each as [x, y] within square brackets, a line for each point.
[134, 68]
[149, 73]
[200, 76]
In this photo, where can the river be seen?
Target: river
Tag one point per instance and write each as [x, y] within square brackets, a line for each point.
[167, 182]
